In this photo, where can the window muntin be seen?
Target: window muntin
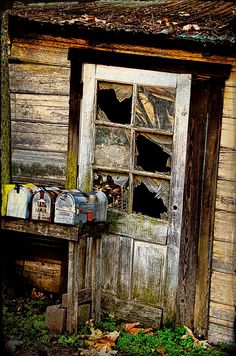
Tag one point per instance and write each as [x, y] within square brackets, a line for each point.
[133, 146]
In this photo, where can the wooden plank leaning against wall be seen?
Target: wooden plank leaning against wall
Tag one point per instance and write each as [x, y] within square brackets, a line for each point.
[223, 282]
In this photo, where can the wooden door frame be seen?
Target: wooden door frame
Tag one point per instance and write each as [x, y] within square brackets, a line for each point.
[199, 203]
[201, 170]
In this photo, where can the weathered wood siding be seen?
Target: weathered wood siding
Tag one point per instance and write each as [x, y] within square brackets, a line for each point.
[39, 85]
[223, 281]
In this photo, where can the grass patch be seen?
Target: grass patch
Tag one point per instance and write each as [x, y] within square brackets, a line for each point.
[24, 320]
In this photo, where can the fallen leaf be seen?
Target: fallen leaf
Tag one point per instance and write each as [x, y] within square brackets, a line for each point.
[100, 21]
[196, 341]
[191, 27]
[165, 21]
[182, 13]
[135, 331]
[148, 331]
[96, 334]
[113, 335]
[37, 295]
[131, 326]
[162, 351]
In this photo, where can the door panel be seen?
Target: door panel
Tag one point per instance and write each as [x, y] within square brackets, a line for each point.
[148, 273]
[133, 146]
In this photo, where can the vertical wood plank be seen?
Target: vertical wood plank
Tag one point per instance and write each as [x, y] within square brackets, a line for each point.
[177, 190]
[215, 106]
[125, 268]
[149, 273]
[86, 130]
[192, 200]
[70, 286]
[110, 263]
[96, 279]
[73, 283]
[73, 135]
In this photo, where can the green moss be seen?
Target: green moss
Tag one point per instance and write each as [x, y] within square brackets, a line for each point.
[5, 105]
[71, 171]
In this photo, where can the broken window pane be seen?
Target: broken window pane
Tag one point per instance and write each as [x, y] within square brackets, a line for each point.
[151, 197]
[155, 107]
[115, 187]
[112, 147]
[153, 152]
[114, 102]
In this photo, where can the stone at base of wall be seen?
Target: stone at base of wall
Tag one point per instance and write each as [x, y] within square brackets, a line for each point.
[55, 319]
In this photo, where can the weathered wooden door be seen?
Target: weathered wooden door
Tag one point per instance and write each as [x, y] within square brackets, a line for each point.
[133, 135]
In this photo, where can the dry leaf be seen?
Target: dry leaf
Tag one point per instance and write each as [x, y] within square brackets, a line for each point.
[196, 342]
[148, 331]
[162, 351]
[96, 334]
[37, 295]
[182, 13]
[113, 335]
[102, 342]
[134, 331]
[131, 326]
[191, 27]
[165, 21]
[103, 22]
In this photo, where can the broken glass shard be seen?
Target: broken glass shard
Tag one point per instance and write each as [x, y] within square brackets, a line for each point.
[114, 102]
[151, 197]
[155, 107]
[153, 152]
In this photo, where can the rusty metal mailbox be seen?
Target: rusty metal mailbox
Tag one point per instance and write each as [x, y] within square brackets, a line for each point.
[43, 203]
[75, 207]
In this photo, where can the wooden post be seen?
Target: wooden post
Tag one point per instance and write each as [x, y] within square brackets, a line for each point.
[73, 135]
[96, 279]
[215, 106]
[72, 287]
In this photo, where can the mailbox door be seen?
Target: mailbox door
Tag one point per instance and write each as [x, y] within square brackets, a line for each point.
[133, 137]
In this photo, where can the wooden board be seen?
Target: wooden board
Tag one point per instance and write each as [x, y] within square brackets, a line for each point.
[227, 166]
[125, 268]
[222, 313]
[66, 232]
[231, 82]
[223, 288]
[132, 312]
[36, 78]
[149, 272]
[228, 133]
[229, 109]
[226, 196]
[225, 226]
[110, 263]
[42, 274]
[37, 51]
[41, 167]
[132, 226]
[48, 141]
[40, 108]
[219, 333]
[224, 257]
[41, 45]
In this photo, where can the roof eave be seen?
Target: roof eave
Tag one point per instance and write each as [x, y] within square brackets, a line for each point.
[206, 45]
